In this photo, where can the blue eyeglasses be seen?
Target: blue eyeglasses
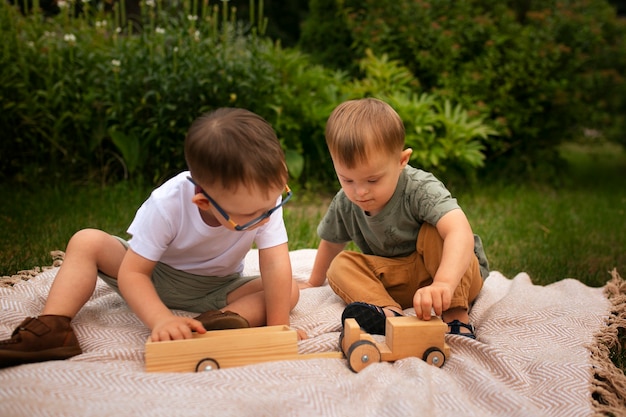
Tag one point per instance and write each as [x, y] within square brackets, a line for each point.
[252, 222]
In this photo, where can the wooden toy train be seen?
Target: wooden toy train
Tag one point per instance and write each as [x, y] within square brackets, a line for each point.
[405, 337]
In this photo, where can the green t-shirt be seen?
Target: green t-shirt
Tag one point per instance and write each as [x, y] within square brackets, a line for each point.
[419, 197]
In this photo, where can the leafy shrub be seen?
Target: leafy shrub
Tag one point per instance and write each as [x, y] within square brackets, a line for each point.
[542, 71]
[304, 98]
[326, 37]
[442, 134]
[83, 98]
[90, 99]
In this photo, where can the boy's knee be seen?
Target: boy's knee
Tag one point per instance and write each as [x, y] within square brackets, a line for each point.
[85, 238]
[344, 261]
[428, 240]
[84, 234]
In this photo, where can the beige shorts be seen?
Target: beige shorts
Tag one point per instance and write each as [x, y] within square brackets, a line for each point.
[184, 291]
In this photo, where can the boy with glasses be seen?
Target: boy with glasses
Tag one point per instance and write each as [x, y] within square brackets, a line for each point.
[417, 246]
[189, 240]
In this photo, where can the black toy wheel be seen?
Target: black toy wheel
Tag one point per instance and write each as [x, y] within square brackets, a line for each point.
[434, 356]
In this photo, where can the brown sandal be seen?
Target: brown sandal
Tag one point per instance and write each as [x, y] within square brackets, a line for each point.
[220, 320]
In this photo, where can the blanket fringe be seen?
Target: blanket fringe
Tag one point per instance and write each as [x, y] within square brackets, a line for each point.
[25, 275]
[608, 390]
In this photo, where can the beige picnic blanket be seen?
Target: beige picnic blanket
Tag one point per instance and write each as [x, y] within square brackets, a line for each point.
[540, 351]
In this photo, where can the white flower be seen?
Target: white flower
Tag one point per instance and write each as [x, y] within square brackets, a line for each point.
[69, 38]
[116, 62]
[192, 17]
[196, 35]
[62, 4]
[159, 30]
[150, 3]
[176, 49]
[118, 29]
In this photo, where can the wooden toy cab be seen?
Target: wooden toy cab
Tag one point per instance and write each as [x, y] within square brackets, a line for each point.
[404, 336]
[227, 348]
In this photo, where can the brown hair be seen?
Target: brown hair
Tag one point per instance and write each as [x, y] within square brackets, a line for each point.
[233, 147]
[359, 128]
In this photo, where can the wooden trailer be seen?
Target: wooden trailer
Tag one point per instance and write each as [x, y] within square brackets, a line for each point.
[227, 348]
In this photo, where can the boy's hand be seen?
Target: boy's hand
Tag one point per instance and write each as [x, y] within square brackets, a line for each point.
[175, 328]
[436, 296]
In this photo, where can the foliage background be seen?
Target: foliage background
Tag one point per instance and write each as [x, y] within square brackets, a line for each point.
[543, 72]
[481, 85]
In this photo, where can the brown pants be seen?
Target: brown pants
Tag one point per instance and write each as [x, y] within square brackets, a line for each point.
[394, 281]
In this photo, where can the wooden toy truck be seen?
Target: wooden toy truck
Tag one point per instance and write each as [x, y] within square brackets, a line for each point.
[404, 336]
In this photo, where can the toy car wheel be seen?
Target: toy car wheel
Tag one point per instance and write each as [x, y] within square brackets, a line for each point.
[362, 354]
[434, 356]
[207, 364]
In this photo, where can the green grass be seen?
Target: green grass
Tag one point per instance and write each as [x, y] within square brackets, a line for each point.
[38, 220]
[576, 230]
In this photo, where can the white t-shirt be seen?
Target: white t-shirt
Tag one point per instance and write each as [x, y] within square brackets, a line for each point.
[168, 228]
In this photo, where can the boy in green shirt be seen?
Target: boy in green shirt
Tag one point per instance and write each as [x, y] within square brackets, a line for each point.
[418, 248]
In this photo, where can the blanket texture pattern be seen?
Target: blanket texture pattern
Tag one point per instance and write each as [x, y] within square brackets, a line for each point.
[537, 354]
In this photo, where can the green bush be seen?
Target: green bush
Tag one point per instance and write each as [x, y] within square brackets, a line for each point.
[88, 99]
[443, 135]
[82, 98]
[326, 37]
[305, 96]
[541, 71]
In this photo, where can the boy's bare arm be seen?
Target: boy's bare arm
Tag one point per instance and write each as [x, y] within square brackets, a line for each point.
[458, 248]
[139, 292]
[276, 275]
[326, 252]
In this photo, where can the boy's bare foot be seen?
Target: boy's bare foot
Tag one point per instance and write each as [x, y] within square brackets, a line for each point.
[457, 320]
